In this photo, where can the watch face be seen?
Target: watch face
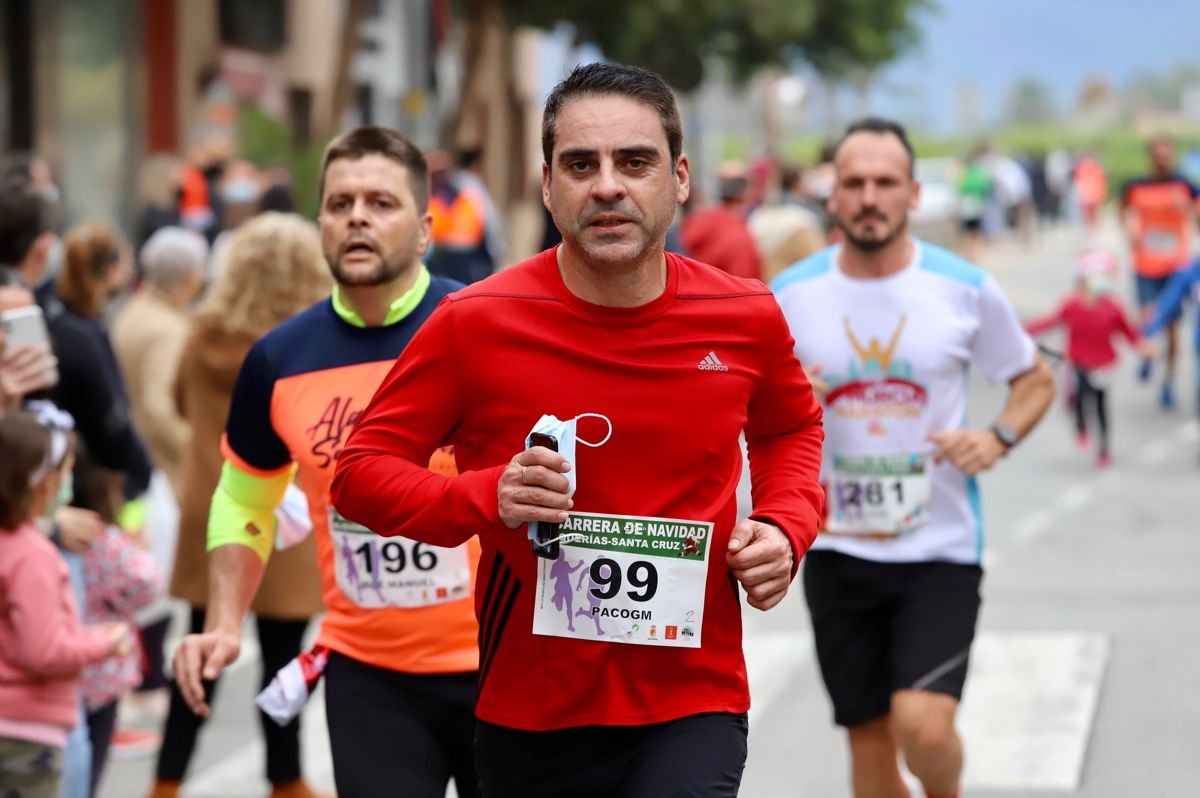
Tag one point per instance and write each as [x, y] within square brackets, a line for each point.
[1006, 435]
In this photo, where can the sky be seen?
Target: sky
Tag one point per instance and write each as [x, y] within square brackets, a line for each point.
[992, 43]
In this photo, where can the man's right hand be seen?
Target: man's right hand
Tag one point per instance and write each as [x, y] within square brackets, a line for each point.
[533, 488]
[201, 658]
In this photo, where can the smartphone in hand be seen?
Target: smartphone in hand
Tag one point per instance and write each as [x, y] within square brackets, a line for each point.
[27, 325]
[544, 530]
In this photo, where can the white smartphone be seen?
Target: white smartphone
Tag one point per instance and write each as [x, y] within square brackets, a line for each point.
[28, 326]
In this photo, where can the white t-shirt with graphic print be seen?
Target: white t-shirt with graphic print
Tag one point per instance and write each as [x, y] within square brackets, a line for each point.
[896, 353]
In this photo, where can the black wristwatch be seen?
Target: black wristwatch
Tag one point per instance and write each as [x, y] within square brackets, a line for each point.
[1005, 434]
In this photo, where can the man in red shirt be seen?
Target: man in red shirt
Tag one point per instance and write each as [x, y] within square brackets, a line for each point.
[658, 362]
[719, 235]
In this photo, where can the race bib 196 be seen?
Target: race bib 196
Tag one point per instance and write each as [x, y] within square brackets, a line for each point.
[625, 579]
[375, 571]
[879, 494]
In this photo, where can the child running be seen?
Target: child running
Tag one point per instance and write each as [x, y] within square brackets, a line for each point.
[43, 647]
[1093, 318]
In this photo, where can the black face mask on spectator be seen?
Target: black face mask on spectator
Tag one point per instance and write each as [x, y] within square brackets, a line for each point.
[213, 172]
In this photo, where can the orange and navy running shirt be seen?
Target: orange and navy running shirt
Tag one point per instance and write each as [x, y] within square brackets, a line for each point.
[1163, 209]
[301, 389]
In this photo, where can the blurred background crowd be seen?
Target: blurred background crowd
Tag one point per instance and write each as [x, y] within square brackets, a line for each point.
[159, 173]
[144, 112]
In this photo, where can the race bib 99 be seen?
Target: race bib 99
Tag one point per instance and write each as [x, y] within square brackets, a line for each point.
[625, 579]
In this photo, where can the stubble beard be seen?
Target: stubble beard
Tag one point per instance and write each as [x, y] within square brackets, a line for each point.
[873, 244]
[383, 273]
[628, 252]
[387, 270]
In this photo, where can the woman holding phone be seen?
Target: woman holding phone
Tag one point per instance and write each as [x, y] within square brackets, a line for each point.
[112, 467]
[96, 266]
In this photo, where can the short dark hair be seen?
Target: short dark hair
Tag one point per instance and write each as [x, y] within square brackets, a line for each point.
[26, 444]
[881, 126]
[790, 175]
[628, 81]
[469, 157]
[374, 140]
[277, 197]
[24, 216]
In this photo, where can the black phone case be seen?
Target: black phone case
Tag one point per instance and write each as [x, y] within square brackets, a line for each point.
[546, 530]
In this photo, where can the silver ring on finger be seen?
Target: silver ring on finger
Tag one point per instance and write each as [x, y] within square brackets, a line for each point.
[523, 470]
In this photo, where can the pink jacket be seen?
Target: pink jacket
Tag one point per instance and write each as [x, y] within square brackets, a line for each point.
[43, 646]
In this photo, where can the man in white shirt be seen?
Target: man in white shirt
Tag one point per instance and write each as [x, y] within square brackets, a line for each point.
[889, 326]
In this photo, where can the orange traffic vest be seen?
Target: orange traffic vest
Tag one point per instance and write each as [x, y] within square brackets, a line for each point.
[459, 224]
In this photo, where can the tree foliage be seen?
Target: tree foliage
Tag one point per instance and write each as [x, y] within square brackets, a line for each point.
[860, 36]
[676, 37]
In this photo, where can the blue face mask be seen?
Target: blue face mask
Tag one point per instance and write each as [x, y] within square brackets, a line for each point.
[1099, 284]
[66, 492]
[564, 433]
[241, 191]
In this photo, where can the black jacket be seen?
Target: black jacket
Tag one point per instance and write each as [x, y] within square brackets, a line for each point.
[91, 389]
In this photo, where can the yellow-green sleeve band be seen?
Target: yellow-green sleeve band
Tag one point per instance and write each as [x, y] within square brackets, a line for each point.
[132, 515]
[243, 509]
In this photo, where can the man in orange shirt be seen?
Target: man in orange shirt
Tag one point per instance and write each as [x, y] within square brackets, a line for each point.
[1158, 213]
[400, 630]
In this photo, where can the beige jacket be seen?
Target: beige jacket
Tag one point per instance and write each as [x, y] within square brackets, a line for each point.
[148, 335]
[291, 586]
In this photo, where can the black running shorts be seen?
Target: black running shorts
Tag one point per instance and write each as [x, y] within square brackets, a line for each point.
[698, 756]
[399, 734]
[883, 627]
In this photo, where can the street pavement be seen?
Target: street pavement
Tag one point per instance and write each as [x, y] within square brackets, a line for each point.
[1082, 675]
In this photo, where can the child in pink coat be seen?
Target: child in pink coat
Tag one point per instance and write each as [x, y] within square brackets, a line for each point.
[1093, 319]
[43, 647]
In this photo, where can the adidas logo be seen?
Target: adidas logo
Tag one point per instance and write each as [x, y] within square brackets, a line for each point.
[712, 363]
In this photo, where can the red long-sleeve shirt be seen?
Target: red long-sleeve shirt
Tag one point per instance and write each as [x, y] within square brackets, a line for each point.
[679, 378]
[1091, 327]
[720, 236]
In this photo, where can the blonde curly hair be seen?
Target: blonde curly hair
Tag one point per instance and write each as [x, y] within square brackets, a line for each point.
[274, 268]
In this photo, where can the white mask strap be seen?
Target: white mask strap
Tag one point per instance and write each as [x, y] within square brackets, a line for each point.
[565, 536]
[601, 442]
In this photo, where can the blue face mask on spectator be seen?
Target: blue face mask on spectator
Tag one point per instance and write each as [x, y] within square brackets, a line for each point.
[66, 492]
[238, 192]
[1099, 284]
